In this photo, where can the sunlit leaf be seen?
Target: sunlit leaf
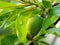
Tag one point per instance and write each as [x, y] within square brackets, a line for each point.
[57, 0]
[6, 4]
[21, 23]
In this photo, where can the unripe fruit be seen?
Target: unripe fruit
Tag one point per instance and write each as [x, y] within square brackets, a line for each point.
[34, 25]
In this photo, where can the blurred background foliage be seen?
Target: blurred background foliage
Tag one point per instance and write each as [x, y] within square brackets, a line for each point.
[11, 14]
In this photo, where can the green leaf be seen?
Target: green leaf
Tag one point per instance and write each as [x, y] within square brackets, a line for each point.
[9, 40]
[6, 4]
[40, 42]
[47, 3]
[35, 43]
[48, 21]
[55, 10]
[8, 13]
[57, 0]
[39, 3]
[55, 31]
[21, 22]
[44, 3]
[21, 31]
[4, 14]
[9, 24]
[4, 32]
[7, 17]
[54, 14]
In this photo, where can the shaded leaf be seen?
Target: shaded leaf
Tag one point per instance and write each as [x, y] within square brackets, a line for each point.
[55, 31]
[4, 32]
[47, 3]
[48, 21]
[9, 40]
[55, 10]
[41, 42]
